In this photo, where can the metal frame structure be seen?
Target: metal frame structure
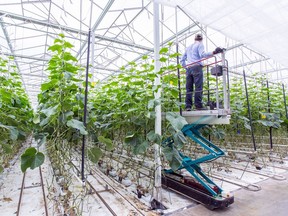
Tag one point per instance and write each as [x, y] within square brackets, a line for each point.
[28, 28]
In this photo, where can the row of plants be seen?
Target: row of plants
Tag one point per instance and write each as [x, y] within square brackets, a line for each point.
[265, 113]
[16, 113]
[121, 109]
[121, 113]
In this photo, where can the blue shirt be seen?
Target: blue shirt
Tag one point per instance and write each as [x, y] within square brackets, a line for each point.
[194, 53]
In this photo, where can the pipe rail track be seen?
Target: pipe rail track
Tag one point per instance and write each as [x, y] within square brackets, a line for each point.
[107, 183]
[23, 188]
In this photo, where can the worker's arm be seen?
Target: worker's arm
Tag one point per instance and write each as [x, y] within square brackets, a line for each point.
[183, 59]
[202, 52]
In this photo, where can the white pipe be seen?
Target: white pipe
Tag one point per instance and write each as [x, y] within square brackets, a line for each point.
[157, 95]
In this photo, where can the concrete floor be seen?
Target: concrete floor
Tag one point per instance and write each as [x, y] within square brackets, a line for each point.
[272, 200]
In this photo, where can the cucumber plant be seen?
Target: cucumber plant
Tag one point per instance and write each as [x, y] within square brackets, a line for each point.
[16, 113]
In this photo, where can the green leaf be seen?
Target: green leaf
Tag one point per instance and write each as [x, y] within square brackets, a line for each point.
[247, 125]
[69, 113]
[31, 159]
[163, 50]
[49, 85]
[132, 140]
[74, 123]
[154, 137]
[50, 111]
[1, 168]
[94, 154]
[174, 92]
[36, 119]
[13, 132]
[172, 155]
[6, 148]
[68, 45]
[151, 104]
[144, 57]
[179, 139]
[44, 122]
[55, 47]
[177, 121]
[57, 40]
[67, 57]
[68, 75]
[38, 160]
[174, 55]
[30, 151]
[140, 149]
[107, 142]
[163, 59]
[150, 115]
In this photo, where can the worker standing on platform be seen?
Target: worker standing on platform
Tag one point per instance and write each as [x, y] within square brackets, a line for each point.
[194, 73]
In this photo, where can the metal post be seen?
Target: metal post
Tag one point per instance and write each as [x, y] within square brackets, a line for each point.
[178, 70]
[224, 77]
[86, 98]
[269, 110]
[208, 93]
[208, 84]
[92, 55]
[85, 108]
[157, 185]
[217, 94]
[249, 111]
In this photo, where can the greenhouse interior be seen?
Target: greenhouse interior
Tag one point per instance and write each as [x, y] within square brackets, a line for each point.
[143, 107]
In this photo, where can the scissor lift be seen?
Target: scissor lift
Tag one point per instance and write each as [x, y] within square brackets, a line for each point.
[199, 186]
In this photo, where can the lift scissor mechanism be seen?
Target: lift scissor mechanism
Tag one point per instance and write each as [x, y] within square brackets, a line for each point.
[198, 186]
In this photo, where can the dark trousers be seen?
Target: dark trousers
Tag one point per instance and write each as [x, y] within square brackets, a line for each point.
[194, 75]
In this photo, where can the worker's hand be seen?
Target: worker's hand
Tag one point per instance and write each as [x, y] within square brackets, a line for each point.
[217, 50]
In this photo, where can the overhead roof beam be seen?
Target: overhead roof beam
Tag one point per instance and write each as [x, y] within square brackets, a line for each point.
[24, 56]
[96, 24]
[249, 63]
[27, 2]
[11, 48]
[72, 30]
[273, 70]
[45, 60]
[36, 75]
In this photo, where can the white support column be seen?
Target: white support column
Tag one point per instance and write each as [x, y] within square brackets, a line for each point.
[157, 148]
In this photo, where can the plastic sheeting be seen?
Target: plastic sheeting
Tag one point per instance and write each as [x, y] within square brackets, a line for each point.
[260, 24]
